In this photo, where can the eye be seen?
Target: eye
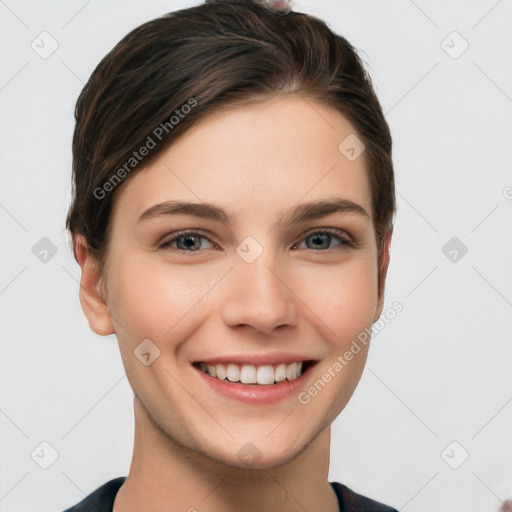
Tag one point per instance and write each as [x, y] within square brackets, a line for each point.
[321, 239]
[186, 241]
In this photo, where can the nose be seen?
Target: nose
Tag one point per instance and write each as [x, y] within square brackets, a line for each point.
[259, 296]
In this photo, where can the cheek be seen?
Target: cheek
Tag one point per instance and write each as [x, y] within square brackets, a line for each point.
[150, 300]
[346, 301]
[344, 297]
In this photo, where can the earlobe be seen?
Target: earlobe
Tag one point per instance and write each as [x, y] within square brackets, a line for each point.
[383, 270]
[92, 298]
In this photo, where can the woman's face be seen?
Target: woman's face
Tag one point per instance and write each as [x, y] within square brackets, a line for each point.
[258, 284]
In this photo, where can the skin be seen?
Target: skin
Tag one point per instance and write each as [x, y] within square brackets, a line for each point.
[257, 161]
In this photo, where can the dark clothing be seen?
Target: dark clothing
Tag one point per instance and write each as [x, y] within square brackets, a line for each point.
[102, 499]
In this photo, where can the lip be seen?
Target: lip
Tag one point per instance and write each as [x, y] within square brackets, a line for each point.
[273, 358]
[254, 393]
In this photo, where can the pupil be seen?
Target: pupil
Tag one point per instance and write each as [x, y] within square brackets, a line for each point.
[189, 242]
[317, 240]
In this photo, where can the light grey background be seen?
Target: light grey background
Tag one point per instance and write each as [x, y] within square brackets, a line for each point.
[440, 372]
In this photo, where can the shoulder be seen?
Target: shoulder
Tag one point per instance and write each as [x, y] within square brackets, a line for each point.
[101, 500]
[350, 501]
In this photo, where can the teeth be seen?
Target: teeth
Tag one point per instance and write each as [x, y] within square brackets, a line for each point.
[221, 372]
[291, 371]
[247, 374]
[233, 373]
[280, 373]
[250, 374]
[265, 375]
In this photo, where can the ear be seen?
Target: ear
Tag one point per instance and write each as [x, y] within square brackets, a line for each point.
[92, 295]
[383, 270]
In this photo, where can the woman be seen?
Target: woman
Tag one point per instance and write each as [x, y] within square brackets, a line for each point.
[232, 215]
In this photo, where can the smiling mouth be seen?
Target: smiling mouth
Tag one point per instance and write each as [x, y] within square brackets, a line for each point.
[263, 375]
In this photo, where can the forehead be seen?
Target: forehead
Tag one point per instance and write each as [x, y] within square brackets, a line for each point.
[263, 156]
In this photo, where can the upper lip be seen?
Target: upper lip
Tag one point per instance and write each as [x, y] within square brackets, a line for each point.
[257, 359]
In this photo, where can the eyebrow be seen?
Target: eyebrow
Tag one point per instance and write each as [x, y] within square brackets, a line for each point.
[304, 212]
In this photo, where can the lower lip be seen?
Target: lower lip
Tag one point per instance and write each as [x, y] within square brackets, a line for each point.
[255, 393]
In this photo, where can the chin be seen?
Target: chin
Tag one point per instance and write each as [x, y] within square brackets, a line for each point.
[259, 460]
[258, 452]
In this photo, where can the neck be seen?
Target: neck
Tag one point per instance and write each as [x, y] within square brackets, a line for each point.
[166, 477]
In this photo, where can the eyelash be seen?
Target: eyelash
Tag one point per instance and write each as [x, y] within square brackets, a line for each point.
[338, 233]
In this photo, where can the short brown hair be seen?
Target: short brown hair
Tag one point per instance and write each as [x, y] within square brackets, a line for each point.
[214, 56]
